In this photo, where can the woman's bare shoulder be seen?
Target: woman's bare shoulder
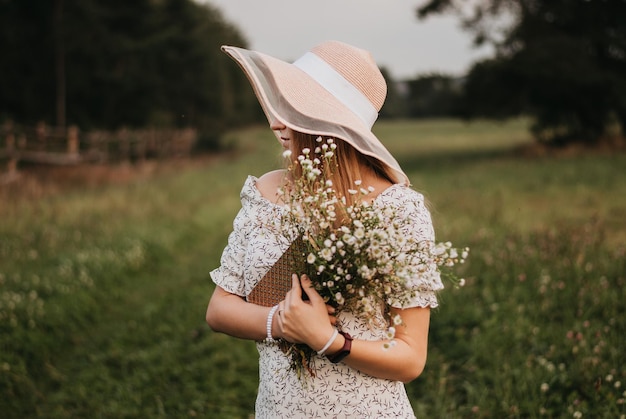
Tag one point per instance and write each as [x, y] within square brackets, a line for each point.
[269, 183]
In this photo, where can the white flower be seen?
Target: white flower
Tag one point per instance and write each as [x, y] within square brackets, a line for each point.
[310, 259]
[306, 151]
[365, 272]
[439, 249]
[376, 252]
[389, 344]
[326, 254]
[339, 298]
[349, 239]
[287, 153]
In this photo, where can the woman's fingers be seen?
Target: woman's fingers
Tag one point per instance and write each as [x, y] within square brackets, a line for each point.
[309, 290]
[296, 289]
[294, 294]
[304, 321]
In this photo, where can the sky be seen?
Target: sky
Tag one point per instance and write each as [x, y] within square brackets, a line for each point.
[389, 29]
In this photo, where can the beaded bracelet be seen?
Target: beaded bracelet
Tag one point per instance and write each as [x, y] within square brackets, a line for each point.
[270, 318]
[330, 342]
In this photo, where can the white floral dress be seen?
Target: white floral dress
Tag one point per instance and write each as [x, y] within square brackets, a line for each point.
[337, 390]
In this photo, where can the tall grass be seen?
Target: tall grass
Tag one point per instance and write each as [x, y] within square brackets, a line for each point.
[103, 290]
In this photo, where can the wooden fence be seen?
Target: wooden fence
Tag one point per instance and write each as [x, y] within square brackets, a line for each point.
[69, 146]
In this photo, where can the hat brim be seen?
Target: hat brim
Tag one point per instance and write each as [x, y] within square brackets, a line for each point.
[288, 94]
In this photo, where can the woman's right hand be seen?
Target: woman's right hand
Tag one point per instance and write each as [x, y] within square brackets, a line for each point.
[311, 321]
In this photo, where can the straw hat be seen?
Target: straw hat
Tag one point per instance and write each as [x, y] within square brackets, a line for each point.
[333, 90]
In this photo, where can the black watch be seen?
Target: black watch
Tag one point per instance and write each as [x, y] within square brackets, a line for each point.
[344, 351]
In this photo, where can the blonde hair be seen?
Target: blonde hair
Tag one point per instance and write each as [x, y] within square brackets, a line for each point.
[351, 165]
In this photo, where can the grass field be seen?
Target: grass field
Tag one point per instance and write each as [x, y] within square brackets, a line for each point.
[103, 289]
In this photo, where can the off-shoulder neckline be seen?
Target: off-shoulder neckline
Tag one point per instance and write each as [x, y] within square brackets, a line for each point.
[251, 183]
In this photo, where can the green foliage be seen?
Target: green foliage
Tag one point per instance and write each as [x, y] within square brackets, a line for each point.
[434, 95]
[125, 63]
[394, 106]
[103, 291]
[561, 62]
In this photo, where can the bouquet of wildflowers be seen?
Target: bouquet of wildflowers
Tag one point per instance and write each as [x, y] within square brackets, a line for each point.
[358, 255]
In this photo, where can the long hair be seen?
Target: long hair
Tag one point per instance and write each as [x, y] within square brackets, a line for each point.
[350, 164]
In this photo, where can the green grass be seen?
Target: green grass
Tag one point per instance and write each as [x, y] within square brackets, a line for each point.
[103, 290]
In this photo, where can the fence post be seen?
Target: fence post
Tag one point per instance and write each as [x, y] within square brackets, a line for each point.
[41, 131]
[10, 149]
[72, 141]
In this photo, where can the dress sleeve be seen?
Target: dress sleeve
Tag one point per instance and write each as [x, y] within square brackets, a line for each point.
[230, 274]
[426, 280]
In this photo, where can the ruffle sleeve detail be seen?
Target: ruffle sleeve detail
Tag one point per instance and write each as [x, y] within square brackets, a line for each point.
[253, 246]
[423, 287]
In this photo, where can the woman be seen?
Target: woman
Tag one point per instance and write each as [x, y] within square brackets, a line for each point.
[336, 91]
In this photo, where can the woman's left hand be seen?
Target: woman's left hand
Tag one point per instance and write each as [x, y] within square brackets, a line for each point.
[300, 321]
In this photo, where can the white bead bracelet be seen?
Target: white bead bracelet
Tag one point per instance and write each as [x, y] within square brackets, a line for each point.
[270, 319]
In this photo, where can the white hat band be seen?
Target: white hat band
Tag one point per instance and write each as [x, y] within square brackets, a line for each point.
[338, 86]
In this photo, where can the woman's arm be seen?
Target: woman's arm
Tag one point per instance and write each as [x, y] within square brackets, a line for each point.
[403, 362]
[303, 321]
[231, 314]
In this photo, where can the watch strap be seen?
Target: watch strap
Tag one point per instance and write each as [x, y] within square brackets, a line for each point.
[344, 351]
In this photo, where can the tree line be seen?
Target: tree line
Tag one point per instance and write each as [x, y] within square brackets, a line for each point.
[103, 64]
[562, 62]
[111, 63]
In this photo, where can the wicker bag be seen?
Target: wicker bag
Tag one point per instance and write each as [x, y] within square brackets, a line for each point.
[272, 288]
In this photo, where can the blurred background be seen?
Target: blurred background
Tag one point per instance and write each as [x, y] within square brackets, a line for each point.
[109, 65]
[126, 134]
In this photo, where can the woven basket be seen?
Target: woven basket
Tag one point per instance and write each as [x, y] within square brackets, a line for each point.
[272, 288]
